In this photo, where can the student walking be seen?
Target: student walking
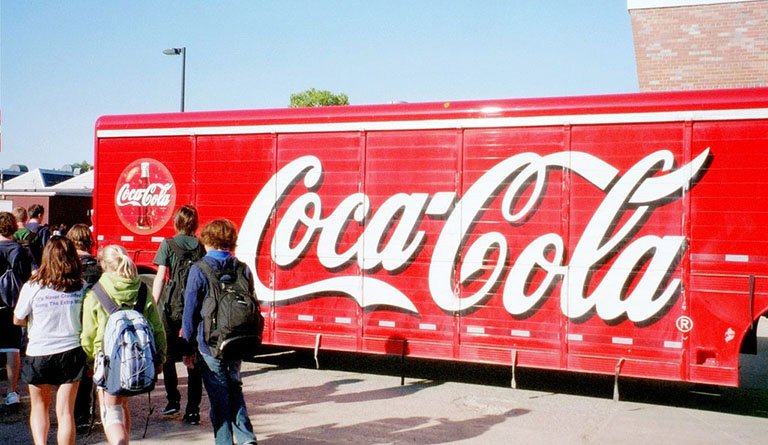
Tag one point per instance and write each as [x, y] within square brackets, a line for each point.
[223, 383]
[82, 238]
[174, 258]
[81, 235]
[49, 305]
[122, 285]
[40, 233]
[22, 233]
[15, 269]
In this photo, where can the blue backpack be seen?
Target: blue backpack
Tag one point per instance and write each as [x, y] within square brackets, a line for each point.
[10, 282]
[126, 364]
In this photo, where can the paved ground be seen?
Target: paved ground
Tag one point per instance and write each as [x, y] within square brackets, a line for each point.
[359, 400]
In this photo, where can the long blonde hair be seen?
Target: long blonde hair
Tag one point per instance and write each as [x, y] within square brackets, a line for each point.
[115, 259]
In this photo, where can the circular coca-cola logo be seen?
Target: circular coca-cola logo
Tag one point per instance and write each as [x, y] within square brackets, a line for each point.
[145, 196]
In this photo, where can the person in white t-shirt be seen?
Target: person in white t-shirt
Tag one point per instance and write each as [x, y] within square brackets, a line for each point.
[49, 305]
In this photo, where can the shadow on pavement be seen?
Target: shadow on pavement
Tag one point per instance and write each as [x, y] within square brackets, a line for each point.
[422, 430]
[750, 399]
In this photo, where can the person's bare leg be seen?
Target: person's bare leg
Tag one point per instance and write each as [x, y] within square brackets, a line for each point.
[12, 366]
[65, 413]
[115, 418]
[39, 422]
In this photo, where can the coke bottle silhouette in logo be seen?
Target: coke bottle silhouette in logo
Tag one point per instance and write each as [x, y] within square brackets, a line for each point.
[143, 222]
[145, 196]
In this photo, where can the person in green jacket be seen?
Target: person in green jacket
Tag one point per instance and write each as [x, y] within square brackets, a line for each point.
[21, 220]
[121, 282]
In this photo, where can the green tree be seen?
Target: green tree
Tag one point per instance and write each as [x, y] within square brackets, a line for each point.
[317, 98]
[83, 166]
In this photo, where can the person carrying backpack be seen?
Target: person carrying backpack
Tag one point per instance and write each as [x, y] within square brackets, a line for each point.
[218, 270]
[15, 269]
[82, 238]
[121, 285]
[22, 233]
[40, 233]
[81, 235]
[174, 258]
[50, 304]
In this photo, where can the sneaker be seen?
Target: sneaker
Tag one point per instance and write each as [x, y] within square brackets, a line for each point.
[171, 408]
[192, 418]
[12, 398]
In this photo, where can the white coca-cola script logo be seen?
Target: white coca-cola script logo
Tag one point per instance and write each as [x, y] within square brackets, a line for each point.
[393, 238]
[151, 195]
[145, 196]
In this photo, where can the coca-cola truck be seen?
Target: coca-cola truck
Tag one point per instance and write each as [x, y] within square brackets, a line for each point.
[621, 234]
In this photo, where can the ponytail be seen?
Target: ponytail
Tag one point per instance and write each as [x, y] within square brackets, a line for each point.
[115, 259]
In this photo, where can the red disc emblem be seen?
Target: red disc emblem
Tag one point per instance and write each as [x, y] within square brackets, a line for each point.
[145, 196]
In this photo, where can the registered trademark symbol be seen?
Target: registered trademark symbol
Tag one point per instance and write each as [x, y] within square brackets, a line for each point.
[684, 323]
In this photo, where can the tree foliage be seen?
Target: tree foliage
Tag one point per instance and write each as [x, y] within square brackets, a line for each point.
[317, 98]
[83, 166]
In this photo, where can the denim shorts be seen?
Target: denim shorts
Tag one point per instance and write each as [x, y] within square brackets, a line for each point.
[54, 369]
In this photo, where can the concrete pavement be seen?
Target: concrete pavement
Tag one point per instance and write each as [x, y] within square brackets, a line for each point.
[359, 400]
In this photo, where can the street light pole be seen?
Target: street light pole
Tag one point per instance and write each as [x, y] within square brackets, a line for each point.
[183, 52]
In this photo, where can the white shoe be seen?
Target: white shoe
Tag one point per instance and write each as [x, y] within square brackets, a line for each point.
[12, 398]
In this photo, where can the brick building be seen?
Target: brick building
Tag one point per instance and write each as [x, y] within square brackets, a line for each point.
[700, 44]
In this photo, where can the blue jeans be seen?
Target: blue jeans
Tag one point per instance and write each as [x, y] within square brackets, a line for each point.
[225, 391]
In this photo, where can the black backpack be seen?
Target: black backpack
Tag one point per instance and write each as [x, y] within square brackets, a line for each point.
[10, 282]
[36, 240]
[91, 270]
[232, 320]
[173, 292]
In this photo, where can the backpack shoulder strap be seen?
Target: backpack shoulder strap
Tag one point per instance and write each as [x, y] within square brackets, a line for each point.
[247, 282]
[13, 254]
[104, 299]
[177, 250]
[111, 307]
[44, 233]
[214, 283]
[207, 270]
[141, 300]
[240, 270]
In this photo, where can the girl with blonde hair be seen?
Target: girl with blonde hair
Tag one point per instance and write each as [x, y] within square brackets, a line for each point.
[121, 282]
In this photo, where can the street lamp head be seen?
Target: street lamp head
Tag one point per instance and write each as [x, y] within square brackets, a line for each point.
[183, 52]
[173, 51]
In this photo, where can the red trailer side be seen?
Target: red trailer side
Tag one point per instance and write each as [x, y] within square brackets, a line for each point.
[587, 234]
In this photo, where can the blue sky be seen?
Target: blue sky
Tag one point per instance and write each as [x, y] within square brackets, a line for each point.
[64, 64]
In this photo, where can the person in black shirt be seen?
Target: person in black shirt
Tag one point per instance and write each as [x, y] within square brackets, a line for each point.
[14, 257]
[81, 236]
[183, 247]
